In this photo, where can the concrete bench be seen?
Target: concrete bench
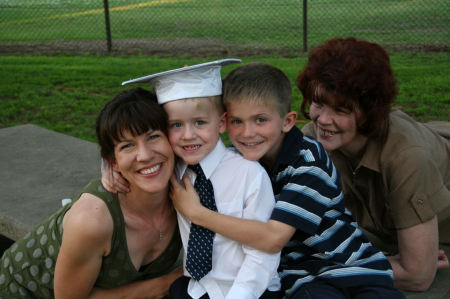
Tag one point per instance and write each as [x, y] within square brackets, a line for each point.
[40, 167]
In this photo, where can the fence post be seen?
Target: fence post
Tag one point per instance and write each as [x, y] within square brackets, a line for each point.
[108, 27]
[305, 26]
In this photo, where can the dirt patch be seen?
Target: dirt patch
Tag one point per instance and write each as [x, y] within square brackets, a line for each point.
[196, 47]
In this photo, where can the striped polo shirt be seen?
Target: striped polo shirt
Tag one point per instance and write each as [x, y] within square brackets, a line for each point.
[327, 244]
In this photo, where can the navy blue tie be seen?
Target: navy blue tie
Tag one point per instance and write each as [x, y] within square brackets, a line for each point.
[200, 244]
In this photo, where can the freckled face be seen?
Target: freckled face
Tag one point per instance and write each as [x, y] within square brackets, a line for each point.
[194, 128]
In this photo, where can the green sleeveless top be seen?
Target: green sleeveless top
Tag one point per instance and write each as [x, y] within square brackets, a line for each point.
[27, 267]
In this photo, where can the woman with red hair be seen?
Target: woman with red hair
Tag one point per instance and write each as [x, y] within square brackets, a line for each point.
[395, 171]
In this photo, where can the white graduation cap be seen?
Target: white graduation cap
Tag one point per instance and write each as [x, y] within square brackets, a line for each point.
[200, 80]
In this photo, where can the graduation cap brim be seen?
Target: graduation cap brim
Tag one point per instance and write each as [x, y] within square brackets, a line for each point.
[148, 78]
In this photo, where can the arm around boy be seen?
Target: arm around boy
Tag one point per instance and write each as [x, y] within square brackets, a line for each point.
[191, 97]
[324, 253]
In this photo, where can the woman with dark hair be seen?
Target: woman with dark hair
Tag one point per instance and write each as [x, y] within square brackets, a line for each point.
[106, 245]
[395, 171]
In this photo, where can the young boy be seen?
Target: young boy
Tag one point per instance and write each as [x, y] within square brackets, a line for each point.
[241, 188]
[324, 253]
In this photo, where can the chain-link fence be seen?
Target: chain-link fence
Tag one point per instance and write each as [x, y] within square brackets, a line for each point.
[218, 27]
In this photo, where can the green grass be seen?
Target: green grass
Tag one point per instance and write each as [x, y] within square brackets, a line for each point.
[400, 22]
[65, 93]
[273, 23]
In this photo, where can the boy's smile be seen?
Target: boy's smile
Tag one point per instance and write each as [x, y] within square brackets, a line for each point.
[194, 128]
[256, 129]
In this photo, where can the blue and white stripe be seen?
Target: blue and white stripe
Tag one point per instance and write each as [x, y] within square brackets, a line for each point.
[328, 243]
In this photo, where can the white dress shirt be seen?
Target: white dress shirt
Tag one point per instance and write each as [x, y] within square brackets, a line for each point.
[242, 189]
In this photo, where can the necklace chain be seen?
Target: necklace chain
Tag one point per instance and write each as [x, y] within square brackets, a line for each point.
[159, 228]
[161, 234]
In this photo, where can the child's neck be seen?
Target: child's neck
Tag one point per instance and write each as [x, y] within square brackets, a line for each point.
[268, 163]
[271, 156]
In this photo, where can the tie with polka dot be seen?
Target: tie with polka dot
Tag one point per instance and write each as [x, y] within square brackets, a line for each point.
[200, 244]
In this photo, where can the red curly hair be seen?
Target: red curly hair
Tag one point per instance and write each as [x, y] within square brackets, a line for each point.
[354, 74]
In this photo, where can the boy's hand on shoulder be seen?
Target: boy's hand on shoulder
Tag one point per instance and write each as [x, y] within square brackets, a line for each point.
[185, 199]
[114, 182]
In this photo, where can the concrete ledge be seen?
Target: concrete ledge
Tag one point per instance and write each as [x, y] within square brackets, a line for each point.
[38, 168]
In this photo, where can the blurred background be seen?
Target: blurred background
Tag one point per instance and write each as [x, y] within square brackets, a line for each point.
[218, 27]
[61, 60]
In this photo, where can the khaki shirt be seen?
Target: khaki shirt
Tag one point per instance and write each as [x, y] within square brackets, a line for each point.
[402, 183]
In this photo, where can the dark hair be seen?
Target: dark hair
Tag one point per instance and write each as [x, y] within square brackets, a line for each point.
[351, 73]
[134, 110]
[258, 82]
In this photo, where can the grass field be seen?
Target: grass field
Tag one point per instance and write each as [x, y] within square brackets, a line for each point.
[65, 93]
[274, 23]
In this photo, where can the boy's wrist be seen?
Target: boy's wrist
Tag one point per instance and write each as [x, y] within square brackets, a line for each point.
[198, 214]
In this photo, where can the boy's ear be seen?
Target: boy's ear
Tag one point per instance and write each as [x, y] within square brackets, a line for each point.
[223, 123]
[289, 121]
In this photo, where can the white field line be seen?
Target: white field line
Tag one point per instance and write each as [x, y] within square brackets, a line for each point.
[93, 11]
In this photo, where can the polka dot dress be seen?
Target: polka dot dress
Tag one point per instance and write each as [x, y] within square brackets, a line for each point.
[27, 267]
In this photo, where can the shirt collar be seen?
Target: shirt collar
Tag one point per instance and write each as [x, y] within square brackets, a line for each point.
[289, 149]
[371, 156]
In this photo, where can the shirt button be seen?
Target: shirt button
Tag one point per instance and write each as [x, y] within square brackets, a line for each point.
[420, 202]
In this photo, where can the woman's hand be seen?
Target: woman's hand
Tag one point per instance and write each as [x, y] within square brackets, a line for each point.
[185, 199]
[442, 260]
[419, 256]
[113, 181]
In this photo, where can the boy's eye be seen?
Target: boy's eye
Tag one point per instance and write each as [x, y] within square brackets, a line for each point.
[176, 125]
[199, 122]
[260, 120]
[236, 121]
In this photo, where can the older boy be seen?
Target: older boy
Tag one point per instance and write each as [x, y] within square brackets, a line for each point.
[325, 254]
[241, 188]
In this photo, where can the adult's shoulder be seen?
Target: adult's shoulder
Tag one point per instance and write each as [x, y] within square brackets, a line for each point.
[415, 152]
[407, 134]
[93, 203]
[95, 187]
[90, 215]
